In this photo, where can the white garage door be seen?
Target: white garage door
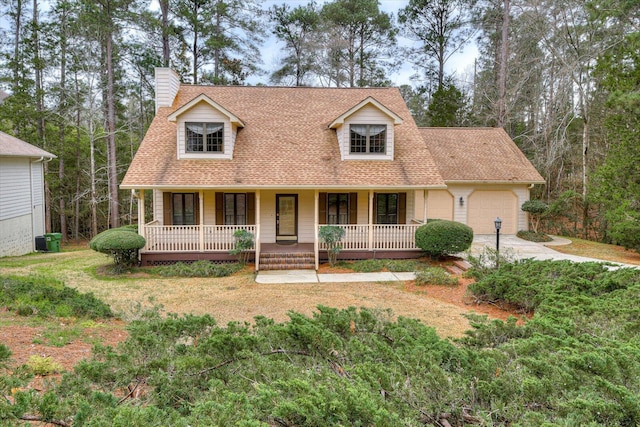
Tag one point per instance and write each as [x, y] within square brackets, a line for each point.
[485, 206]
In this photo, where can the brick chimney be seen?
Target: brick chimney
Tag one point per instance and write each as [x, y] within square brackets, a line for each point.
[167, 85]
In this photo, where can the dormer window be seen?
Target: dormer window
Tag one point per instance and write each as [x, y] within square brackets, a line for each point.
[204, 137]
[370, 139]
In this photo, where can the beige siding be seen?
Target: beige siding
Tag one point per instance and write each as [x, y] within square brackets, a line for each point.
[363, 207]
[439, 205]
[366, 115]
[209, 207]
[203, 112]
[167, 85]
[486, 205]
[158, 213]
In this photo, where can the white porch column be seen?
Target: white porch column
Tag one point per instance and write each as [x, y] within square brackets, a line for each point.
[426, 195]
[258, 231]
[315, 228]
[201, 208]
[141, 214]
[370, 220]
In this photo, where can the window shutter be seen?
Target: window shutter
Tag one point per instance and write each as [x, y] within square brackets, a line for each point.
[353, 208]
[251, 208]
[167, 211]
[196, 208]
[322, 208]
[219, 208]
[402, 208]
[375, 208]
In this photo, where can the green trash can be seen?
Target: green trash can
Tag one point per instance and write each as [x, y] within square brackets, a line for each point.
[53, 241]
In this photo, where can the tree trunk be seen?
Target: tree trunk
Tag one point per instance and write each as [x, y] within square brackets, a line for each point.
[62, 109]
[111, 135]
[502, 71]
[166, 53]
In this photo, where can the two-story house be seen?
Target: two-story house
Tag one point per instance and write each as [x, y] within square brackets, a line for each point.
[283, 161]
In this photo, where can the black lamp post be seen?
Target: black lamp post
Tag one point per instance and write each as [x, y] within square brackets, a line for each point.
[498, 225]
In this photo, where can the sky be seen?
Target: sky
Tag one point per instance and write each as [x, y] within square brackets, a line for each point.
[459, 64]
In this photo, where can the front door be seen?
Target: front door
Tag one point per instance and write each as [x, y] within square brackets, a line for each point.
[286, 218]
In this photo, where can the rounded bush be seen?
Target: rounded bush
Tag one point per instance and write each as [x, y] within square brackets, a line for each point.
[120, 243]
[439, 238]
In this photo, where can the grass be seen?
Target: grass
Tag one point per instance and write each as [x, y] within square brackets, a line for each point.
[601, 251]
[237, 298]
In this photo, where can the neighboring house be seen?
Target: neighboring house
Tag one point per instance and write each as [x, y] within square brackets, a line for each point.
[3, 95]
[21, 195]
[283, 161]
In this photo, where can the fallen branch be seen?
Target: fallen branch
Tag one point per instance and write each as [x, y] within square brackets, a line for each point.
[38, 418]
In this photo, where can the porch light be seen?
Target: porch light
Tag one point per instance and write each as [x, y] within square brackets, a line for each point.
[461, 201]
[498, 224]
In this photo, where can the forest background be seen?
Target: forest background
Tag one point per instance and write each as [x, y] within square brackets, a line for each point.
[561, 76]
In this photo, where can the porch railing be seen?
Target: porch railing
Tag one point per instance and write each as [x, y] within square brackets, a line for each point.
[384, 237]
[191, 238]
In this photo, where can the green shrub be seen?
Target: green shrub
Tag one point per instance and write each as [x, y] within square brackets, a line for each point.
[331, 236]
[626, 233]
[122, 244]
[202, 268]
[43, 366]
[435, 276]
[439, 238]
[45, 297]
[536, 209]
[243, 244]
[485, 262]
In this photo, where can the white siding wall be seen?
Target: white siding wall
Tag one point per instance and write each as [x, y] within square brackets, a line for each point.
[37, 180]
[21, 205]
[167, 86]
[203, 112]
[366, 115]
[15, 187]
[17, 237]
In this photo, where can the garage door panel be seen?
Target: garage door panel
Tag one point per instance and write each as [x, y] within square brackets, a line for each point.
[485, 206]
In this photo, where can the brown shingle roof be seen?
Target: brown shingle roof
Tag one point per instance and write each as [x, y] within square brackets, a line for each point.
[286, 142]
[478, 154]
[14, 147]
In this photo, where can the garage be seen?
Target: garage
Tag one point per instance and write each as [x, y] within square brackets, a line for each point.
[485, 206]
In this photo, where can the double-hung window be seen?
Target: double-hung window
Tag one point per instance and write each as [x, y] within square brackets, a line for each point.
[387, 208]
[204, 137]
[235, 208]
[368, 139]
[184, 208]
[338, 208]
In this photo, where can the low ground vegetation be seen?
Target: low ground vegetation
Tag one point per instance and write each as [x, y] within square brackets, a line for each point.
[200, 268]
[575, 362]
[533, 236]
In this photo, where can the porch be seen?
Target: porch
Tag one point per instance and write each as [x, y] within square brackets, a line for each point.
[214, 242]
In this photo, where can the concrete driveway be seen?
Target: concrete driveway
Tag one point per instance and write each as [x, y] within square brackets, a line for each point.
[523, 249]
